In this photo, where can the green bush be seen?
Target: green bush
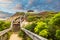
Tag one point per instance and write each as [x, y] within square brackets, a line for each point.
[4, 25]
[40, 26]
[44, 33]
[32, 18]
[21, 33]
[54, 25]
[30, 27]
[28, 38]
[58, 34]
[50, 39]
[55, 20]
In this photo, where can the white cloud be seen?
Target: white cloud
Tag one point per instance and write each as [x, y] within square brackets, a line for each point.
[4, 5]
[17, 7]
[31, 1]
[6, 1]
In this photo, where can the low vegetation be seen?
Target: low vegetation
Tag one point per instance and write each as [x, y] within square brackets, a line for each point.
[47, 26]
[4, 25]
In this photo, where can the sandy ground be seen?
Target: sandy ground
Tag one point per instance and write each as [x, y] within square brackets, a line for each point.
[14, 36]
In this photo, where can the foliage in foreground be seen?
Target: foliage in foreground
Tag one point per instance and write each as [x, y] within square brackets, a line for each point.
[30, 27]
[54, 27]
[4, 25]
[48, 27]
[24, 36]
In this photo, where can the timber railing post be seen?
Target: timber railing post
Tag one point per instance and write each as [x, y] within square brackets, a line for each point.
[11, 24]
[20, 21]
[1, 37]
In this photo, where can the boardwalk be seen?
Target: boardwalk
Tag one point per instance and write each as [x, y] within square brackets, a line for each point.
[14, 36]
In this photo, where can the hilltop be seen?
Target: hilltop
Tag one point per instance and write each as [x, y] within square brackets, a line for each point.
[18, 14]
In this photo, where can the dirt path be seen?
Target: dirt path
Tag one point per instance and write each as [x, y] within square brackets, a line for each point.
[14, 36]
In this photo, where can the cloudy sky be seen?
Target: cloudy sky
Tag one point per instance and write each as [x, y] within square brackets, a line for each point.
[23, 5]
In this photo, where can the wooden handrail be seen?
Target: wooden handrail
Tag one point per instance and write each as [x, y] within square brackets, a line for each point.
[4, 31]
[33, 35]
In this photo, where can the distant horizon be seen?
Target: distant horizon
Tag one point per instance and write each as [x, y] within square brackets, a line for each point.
[33, 10]
[3, 18]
